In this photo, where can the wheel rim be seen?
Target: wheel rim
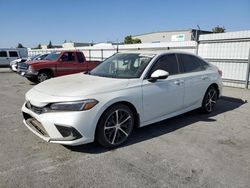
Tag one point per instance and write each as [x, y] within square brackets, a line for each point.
[211, 100]
[42, 77]
[118, 126]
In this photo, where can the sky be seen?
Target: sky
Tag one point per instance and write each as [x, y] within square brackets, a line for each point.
[31, 22]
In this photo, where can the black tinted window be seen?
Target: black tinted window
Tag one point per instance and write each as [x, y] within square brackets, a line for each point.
[167, 63]
[202, 63]
[68, 56]
[3, 54]
[80, 57]
[190, 63]
[13, 53]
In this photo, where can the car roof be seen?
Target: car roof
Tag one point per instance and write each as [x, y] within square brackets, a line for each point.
[157, 52]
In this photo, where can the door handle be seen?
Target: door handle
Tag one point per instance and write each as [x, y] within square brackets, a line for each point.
[178, 82]
[204, 77]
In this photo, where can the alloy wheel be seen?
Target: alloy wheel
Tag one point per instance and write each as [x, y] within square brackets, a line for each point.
[118, 126]
[42, 77]
[211, 100]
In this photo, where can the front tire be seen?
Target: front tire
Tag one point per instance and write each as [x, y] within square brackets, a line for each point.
[42, 76]
[209, 100]
[115, 126]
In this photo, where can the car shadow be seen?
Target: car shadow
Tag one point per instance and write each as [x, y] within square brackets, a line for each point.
[225, 104]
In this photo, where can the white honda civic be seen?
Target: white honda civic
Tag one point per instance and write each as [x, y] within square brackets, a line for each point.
[125, 91]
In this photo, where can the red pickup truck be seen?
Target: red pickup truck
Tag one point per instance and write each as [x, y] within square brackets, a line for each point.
[56, 64]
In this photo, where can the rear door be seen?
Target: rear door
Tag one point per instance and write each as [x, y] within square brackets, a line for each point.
[195, 78]
[4, 59]
[163, 96]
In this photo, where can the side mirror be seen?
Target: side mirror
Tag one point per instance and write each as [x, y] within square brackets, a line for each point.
[158, 74]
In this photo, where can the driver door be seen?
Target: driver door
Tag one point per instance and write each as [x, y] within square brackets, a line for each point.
[165, 96]
[67, 64]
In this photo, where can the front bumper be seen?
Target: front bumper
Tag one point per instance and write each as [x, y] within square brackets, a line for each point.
[27, 73]
[47, 126]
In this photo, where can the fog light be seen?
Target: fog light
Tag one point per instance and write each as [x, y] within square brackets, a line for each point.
[69, 133]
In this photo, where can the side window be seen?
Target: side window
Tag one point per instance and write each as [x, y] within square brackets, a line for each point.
[3, 54]
[13, 53]
[203, 63]
[68, 56]
[80, 57]
[190, 63]
[167, 63]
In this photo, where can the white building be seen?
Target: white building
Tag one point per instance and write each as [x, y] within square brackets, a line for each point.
[171, 36]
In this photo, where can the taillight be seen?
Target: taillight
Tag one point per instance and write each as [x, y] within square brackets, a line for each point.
[220, 72]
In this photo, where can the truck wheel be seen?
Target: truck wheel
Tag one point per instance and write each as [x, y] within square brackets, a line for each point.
[42, 76]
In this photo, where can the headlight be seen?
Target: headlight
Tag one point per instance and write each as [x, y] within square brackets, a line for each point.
[73, 106]
[30, 68]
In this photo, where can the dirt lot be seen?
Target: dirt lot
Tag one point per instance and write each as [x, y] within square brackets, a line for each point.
[191, 150]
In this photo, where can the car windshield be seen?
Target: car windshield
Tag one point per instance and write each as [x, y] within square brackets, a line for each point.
[34, 57]
[52, 56]
[43, 56]
[123, 65]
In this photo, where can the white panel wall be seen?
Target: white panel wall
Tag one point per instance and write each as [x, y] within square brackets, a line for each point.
[229, 51]
[95, 52]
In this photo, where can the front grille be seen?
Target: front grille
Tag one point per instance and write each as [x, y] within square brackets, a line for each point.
[37, 110]
[22, 66]
[34, 124]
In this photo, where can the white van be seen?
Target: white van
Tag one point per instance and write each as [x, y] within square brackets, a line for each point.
[8, 55]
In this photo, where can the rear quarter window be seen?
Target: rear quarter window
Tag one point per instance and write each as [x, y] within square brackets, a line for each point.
[80, 57]
[191, 63]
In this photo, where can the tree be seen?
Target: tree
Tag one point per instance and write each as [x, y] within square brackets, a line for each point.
[218, 29]
[136, 41]
[39, 46]
[20, 45]
[50, 45]
[129, 40]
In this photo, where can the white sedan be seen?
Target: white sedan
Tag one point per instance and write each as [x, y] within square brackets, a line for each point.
[125, 91]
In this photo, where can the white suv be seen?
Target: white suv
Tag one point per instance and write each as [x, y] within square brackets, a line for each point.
[6, 56]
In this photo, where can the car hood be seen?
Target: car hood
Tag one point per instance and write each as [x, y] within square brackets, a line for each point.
[79, 85]
[36, 61]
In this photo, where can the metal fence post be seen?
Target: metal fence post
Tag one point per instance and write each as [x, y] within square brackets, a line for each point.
[248, 70]
[197, 47]
[102, 54]
[89, 55]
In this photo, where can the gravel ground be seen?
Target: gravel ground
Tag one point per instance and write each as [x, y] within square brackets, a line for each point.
[191, 150]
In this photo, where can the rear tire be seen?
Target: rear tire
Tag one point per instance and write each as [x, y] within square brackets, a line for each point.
[42, 76]
[115, 126]
[209, 100]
